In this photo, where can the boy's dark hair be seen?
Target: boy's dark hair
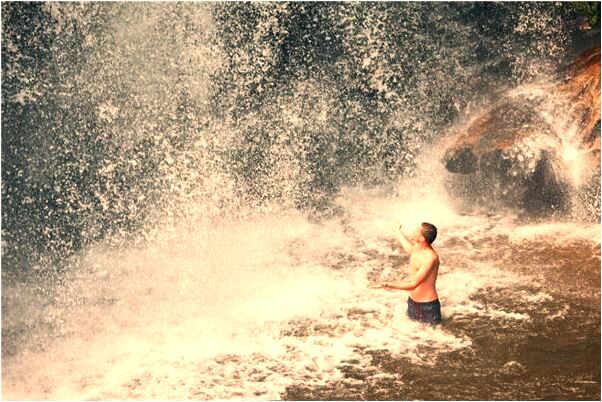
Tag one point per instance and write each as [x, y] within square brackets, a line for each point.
[429, 232]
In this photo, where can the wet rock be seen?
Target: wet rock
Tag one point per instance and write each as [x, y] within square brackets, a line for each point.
[543, 191]
[461, 160]
[523, 151]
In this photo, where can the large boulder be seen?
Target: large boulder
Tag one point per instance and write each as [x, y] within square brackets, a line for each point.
[535, 145]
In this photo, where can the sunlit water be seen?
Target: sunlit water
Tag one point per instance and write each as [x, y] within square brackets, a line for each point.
[279, 307]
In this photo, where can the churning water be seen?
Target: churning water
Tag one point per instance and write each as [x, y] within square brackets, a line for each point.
[277, 304]
[197, 196]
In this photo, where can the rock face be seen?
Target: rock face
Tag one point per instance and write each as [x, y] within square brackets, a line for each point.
[534, 145]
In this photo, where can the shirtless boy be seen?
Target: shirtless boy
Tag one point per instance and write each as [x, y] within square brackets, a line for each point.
[423, 303]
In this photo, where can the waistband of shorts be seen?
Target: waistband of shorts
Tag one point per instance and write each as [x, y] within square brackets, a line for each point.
[436, 301]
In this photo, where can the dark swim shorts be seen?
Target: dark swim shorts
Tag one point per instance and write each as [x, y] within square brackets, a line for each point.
[426, 312]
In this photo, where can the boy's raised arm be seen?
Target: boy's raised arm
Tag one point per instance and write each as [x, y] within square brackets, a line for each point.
[405, 243]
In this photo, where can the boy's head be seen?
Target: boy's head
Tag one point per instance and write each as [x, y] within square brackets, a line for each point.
[426, 232]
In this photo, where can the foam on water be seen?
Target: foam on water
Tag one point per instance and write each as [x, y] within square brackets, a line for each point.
[246, 309]
[557, 231]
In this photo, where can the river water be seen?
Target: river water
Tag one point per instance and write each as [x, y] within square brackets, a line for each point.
[279, 307]
[197, 197]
